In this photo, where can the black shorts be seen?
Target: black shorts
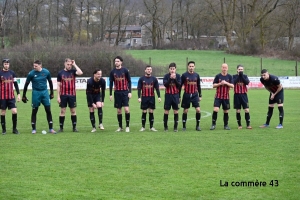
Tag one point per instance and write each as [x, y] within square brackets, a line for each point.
[187, 99]
[67, 100]
[224, 102]
[8, 103]
[171, 100]
[240, 100]
[121, 99]
[148, 102]
[279, 97]
[96, 98]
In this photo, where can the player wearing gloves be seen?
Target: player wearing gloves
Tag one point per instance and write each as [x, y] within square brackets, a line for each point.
[38, 77]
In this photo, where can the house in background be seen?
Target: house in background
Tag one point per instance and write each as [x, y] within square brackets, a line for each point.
[130, 36]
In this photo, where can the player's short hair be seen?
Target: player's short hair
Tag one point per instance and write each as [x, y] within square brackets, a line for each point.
[5, 60]
[239, 65]
[68, 59]
[193, 62]
[118, 57]
[97, 70]
[37, 62]
[172, 65]
[264, 71]
[148, 66]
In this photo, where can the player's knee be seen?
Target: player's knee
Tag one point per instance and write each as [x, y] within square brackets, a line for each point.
[126, 109]
[119, 111]
[216, 109]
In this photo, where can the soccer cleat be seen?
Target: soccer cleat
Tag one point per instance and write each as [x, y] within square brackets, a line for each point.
[166, 129]
[226, 127]
[15, 131]
[198, 128]
[101, 126]
[127, 130]
[52, 131]
[142, 129]
[175, 130]
[279, 126]
[60, 130]
[33, 131]
[249, 127]
[93, 130]
[153, 129]
[264, 126]
[75, 130]
[3, 132]
[240, 127]
[183, 129]
[119, 129]
[213, 127]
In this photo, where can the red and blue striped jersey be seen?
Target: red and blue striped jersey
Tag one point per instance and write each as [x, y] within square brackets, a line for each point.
[271, 84]
[146, 85]
[191, 83]
[120, 79]
[172, 85]
[240, 83]
[67, 81]
[7, 79]
[222, 92]
[95, 88]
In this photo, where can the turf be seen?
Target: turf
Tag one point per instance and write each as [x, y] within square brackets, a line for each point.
[208, 63]
[153, 165]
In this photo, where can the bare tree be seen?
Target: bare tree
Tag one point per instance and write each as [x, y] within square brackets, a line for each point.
[253, 23]
[154, 9]
[288, 18]
[2, 18]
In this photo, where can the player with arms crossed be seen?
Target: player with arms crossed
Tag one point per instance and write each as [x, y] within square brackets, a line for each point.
[146, 86]
[273, 85]
[222, 83]
[7, 97]
[121, 80]
[192, 94]
[39, 77]
[240, 81]
[66, 92]
[172, 83]
[95, 94]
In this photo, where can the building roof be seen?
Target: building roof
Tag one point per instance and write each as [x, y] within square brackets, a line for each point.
[127, 28]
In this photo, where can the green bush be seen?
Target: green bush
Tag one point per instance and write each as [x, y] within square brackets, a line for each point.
[88, 58]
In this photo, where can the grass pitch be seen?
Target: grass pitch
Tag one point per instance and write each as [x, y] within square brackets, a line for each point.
[153, 165]
[208, 63]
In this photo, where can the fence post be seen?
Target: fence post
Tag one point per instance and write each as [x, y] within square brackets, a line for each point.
[260, 64]
[224, 60]
[186, 62]
[296, 68]
[150, 61]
